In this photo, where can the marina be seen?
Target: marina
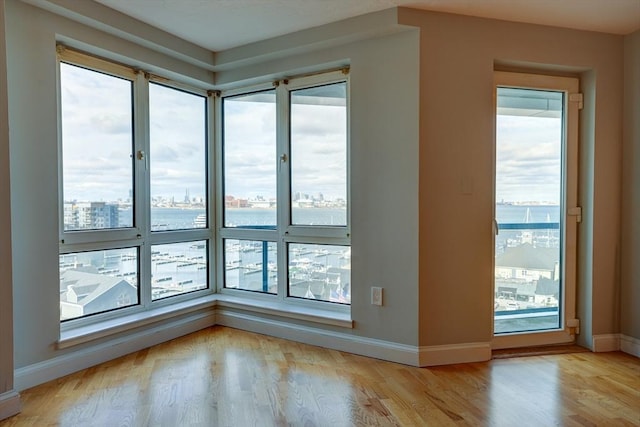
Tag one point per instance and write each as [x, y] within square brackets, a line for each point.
[527, 268]
[319, 272]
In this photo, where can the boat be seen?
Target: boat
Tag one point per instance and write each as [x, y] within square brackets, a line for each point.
[200, 221]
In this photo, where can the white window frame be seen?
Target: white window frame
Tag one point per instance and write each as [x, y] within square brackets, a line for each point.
[285, 232]
[140, 235]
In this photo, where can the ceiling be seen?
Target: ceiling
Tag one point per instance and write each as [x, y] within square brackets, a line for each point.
[222, 24]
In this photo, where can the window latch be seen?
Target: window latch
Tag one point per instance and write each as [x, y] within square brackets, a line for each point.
[141, 156]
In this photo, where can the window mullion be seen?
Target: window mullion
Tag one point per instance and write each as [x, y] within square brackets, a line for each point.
[211, 153]
[216, 188]
[348, 159]
[60, 152]
[142, 183]
[283, 157]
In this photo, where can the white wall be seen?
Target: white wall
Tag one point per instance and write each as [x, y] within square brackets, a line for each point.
[34, 193]
[9, 402]
[458, 58]
[630, 292]
[31, 52]
[384, 171]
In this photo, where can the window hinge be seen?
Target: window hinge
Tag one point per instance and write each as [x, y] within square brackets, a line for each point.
[577, 212]
[574, 326]
[577, 97]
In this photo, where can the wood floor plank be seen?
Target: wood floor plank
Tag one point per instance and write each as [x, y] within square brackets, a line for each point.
[226, 377]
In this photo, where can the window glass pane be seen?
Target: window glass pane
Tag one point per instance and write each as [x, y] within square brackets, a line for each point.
[178, 159]
[97, 281]
[178, 268]
[250, 160]
[320, 272]
[319, 155]
[245, 262]
[97, 144]
[529, 140]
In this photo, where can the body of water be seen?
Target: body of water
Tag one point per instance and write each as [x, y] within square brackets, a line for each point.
[526, 213]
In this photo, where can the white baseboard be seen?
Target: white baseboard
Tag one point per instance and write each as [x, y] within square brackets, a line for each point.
[606, 342]
[456, 353]
[9, 404]
[630, 345]
[39, 373]
[378, 349]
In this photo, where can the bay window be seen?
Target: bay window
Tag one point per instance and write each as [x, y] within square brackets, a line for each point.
[136, 230]
[134, 196]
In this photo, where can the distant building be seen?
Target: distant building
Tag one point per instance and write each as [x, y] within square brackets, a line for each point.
[70, 216]
[528, 263]
[90, 215]
[85, 292]
[259, 203]
[528, 273]
[232, 202]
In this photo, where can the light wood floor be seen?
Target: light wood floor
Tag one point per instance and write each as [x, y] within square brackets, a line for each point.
[225, 377]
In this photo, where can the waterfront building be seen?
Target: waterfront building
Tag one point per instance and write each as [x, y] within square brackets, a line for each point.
[527, 277]
[86, 291]
[90, 215]
[528, 263]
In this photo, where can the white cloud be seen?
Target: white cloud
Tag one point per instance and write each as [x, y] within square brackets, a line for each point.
[96, 135]
[318, 150]
[250, 157]
[528, 164]
[98, 147]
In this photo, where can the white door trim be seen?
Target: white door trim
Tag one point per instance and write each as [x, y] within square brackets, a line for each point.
[568, 85]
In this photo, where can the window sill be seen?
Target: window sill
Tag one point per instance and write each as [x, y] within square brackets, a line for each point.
[298, 312]
[86, 333]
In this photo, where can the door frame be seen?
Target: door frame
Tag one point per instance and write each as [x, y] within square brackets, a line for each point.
[569, 217]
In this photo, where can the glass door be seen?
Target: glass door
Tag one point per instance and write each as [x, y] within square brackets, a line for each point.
[535, 207]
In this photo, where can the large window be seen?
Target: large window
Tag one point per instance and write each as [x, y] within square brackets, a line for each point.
[134, 223]
[285, 190]
[136, 230]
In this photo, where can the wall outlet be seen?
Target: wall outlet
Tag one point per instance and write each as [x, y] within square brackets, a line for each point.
[376, 295]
